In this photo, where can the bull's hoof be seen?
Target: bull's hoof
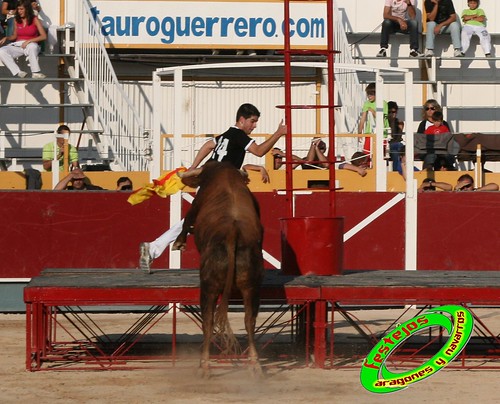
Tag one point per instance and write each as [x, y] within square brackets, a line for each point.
[204, 370]
[256, 370]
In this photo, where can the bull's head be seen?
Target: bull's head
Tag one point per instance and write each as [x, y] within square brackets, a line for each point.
[193, 178]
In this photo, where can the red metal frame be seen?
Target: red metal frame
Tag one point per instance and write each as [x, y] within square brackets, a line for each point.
[60, 335]
[469, 358]
[329, 52]
[309, 299]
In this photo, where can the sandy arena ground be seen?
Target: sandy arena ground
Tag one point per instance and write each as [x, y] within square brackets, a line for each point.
[182, 385]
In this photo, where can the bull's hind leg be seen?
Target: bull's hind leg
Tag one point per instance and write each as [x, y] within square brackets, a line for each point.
[251, 301]
[207, 303]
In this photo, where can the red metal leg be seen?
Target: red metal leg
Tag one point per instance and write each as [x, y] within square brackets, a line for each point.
[319, 333]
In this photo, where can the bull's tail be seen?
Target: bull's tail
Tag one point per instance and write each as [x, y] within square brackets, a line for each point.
[221, 322]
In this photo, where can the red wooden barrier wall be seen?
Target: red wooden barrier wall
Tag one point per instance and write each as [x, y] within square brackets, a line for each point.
[99, 229]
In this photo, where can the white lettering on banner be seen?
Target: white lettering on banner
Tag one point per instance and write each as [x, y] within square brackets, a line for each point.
[192, 24]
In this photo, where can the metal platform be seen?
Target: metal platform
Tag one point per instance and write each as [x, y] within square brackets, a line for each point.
[61, 333]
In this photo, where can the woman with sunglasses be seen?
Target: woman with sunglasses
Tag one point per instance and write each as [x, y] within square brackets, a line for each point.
[428, 110]
[428, 120]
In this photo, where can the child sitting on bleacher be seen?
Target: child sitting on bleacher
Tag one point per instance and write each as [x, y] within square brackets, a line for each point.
[474, 20]
[439, 126]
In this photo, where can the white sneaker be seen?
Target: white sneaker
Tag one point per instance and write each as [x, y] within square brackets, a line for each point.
[21, 74]
[38, 75]
[145, 259]
[382, 53]
[458, 53]
[429, 53]
[414, 53]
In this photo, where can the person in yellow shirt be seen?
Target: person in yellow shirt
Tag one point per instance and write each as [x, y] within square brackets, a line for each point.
[48, 151]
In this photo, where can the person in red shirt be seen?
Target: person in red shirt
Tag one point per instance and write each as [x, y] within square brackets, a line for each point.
[27, 34]
[439, 126]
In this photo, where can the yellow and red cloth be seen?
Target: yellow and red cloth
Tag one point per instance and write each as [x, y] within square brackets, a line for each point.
[168, 184]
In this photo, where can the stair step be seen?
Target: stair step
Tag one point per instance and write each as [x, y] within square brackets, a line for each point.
[317, 52]
[43, 132]
[44, 105]
[59, 55]
[47, 79]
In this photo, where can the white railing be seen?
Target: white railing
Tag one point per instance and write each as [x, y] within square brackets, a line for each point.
[350, 90]
[123, 129]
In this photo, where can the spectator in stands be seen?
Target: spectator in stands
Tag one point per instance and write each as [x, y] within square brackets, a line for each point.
[124, 184]
[8, 14]
[438, 126]
[368, 116]
[62, 132]
[316, 158]
[430, 185]
[76, 181]
[279, 155]
[474, 20]
[396, 131]
[359, 163]
[466, 183]
[26, 36]
[442, 19]
[399, 16]
[430, 106]
[433, 124]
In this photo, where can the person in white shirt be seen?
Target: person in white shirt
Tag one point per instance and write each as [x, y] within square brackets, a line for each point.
[399, 16]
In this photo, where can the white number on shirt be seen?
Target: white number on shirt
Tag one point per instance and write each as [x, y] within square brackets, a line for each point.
[221, 149]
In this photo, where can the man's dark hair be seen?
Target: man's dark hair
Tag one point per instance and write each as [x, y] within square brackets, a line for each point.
[62, 128]
[246, 111]
[429, 187]
[358, 158]
[392, 105]
[123, 179]
[466, 177]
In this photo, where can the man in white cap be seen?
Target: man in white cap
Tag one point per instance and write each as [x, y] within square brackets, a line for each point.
[63, 132]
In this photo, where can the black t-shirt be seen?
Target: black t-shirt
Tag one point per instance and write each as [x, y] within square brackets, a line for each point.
[231, 146]
[445, 9]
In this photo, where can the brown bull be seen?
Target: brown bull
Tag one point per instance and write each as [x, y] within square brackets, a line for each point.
[225, 221]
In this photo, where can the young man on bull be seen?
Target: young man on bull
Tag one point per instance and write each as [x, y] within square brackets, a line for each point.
[231, 146]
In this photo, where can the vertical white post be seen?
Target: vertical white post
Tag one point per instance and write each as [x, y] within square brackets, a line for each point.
[55, 161]
[411, 182]
[176, 200]
[380, 166]
[478, 169]
[156, 127]
[2, 144]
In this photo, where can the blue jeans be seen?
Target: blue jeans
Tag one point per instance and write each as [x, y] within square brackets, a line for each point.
[396, 151]
[453, 29]
[389, 27]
